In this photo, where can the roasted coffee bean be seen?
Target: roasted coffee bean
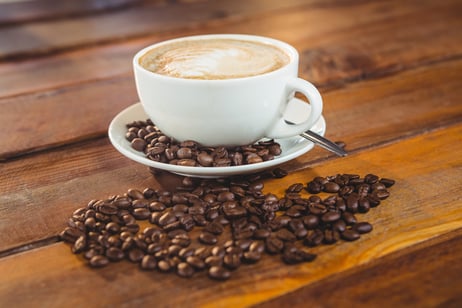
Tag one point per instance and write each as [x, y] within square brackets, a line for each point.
[164, 266]
[349, 218]
[331, 236]
[279, 173]
[339, 226]
[314, 238]
[98, 261]
[232, 260]
[311, 221]
[114, 254]
[196, 262]
[293, 255]
[371, 178]
[261, 234]
[135, 255]
[363, 205]
[352, 203]
[274, 245]
[387, 182]
[251, 256]
[350, 235]
[218, 251]
[138, 144]
[285, 235]
[297, 187]
[219, 273]
[331, 187]
[208, 238]
[362, 227]
[330, 217]
[184, 270]
[79, 245]
[213, 261]
[314, 187]
[233, 211]
[148, 263]
[381, 194]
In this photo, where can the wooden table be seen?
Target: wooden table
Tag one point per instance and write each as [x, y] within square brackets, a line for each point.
[390, 75]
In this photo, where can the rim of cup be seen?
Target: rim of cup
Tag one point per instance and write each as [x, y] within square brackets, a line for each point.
[288, 49]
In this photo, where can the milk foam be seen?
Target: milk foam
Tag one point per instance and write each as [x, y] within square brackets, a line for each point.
[214, 59]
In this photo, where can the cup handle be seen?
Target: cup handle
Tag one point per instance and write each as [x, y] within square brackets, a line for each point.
[283, 130]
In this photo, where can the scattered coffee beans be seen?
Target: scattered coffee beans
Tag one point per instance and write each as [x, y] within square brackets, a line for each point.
[145, 137]
[214, 226]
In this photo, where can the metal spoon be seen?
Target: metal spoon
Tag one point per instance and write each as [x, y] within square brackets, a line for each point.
[322, 142]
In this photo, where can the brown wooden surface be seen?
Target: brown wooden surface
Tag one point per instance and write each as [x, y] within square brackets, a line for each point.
[389, 73]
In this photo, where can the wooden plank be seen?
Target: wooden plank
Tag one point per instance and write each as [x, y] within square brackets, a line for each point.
[428, 277]
[43, 37]
[331, 53]
[26, 11]
[408, 217]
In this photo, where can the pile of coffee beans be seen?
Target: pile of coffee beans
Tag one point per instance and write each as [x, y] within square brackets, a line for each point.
[216, 225]
[145, 137]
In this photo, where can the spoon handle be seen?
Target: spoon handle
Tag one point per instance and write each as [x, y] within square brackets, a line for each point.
[323, 142]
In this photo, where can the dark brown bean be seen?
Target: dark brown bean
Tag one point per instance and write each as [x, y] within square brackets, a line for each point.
[350, 235]
[98, 261]
[219, 273]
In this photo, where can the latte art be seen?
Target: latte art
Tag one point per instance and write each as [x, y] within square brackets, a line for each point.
[214, 59]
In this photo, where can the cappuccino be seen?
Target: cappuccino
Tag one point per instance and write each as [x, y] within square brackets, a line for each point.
[214, 58]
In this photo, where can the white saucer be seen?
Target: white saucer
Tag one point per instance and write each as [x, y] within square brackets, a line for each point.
[291, 147]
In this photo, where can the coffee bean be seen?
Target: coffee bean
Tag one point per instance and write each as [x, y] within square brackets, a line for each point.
[331, 236]
[331, 187]
[349, 218]
[285, 235]
[214, 261]
[387, 182]
[196, 262]
[135, 255]
[114, 254]
[79, 245]
[311, 221]
[330, 217]
[98, 261]
[251, 256]
[362, 227]
[350, 235]
[314, 238]
[208, 238]
[184, 270]
[164, 266]
[339, 226]
[138, 144]
[273, 245]
[148, 263]
[214, 228]
[232, 260]
[219, 273]
[294, 255]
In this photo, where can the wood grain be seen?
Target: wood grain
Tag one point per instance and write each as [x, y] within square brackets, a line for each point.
[398, 224]
[20, 12]
[415, 277]
[51, 36]
[327, 55]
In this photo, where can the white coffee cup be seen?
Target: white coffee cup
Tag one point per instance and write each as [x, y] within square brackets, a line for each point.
[226, 111]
